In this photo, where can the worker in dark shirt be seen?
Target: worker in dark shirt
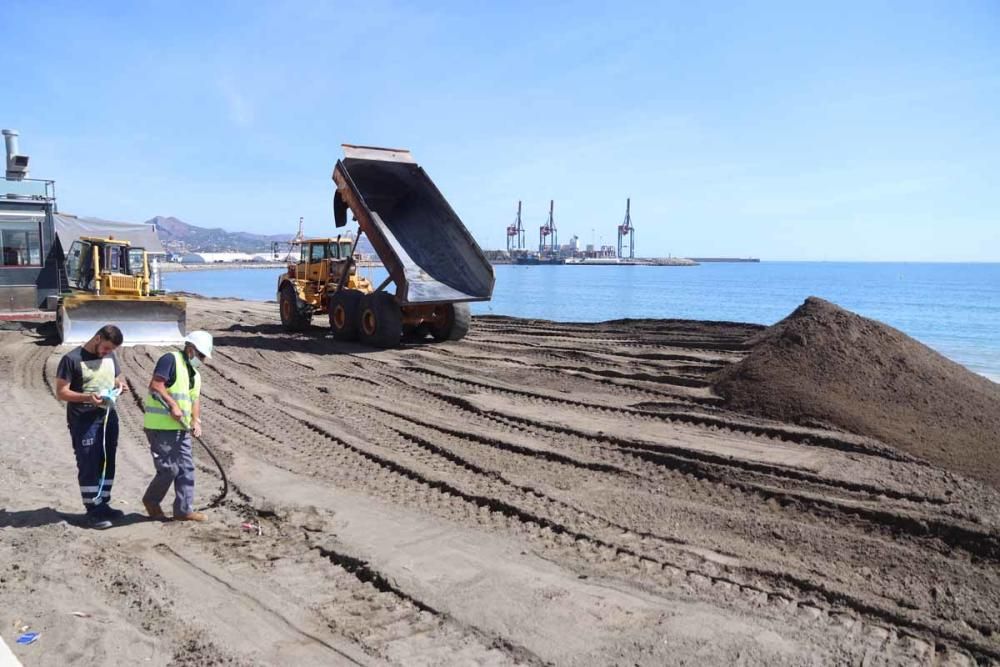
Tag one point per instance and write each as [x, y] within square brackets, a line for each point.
[88, 379]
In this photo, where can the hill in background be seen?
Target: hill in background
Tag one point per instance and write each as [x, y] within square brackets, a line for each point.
[179, 237]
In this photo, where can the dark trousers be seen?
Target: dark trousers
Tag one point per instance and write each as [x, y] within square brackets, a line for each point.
[90, 442]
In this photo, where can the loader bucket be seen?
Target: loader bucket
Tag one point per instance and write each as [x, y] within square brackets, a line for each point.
[153, 320]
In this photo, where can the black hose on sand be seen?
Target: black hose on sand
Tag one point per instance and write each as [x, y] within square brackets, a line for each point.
[222, 472]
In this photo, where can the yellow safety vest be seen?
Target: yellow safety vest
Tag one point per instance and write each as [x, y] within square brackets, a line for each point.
[158, 415]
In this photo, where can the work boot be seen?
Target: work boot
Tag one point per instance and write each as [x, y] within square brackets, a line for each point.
[109, 512]
[98, 522]
[153, 511]
[191, 516]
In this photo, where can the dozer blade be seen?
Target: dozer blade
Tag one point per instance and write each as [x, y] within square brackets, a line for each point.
[153, 320]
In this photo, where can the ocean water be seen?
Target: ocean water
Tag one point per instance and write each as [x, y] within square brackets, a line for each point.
[953, 308]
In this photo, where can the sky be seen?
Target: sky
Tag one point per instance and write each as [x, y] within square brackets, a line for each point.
[787, 131]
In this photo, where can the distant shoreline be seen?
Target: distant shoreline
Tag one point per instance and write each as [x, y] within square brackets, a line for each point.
[176, 267]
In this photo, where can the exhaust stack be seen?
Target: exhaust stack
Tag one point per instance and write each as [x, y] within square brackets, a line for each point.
[17, 164]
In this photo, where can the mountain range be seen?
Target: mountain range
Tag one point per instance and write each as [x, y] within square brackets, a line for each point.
[179, 237]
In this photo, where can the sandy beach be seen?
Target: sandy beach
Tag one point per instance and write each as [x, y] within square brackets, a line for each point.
[538, 493]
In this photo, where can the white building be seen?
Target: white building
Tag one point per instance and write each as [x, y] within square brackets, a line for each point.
[223, 257]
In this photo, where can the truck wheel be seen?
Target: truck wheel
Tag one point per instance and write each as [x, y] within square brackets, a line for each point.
[345, 313]
[381, 322]
[291, 317]
[455, 324]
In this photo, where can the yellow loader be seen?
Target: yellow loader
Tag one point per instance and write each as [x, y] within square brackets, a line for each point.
[312, 279]
[109, 284]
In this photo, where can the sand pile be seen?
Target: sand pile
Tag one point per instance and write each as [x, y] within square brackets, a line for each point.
[826, 365]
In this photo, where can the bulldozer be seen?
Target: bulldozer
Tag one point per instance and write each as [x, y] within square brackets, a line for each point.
[434, 265]
[109, 283]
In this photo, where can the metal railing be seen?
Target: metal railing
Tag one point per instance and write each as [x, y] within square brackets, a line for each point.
[29, 189]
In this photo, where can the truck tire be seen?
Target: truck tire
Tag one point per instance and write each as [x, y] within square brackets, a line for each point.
[345, 313]
[292, 319]
[381, 321]
[455, 324]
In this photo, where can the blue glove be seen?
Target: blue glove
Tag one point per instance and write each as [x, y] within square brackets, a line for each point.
[109, 396]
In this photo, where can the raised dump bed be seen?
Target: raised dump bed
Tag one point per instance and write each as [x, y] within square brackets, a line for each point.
[430, 256]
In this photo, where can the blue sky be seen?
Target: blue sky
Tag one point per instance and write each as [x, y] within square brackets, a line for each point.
[851, 131]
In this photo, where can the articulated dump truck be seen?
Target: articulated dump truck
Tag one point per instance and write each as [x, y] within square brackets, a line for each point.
[435, 266]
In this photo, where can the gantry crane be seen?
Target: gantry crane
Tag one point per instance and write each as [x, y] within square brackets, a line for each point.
[548, 230]
[626, 229]
[515, 232]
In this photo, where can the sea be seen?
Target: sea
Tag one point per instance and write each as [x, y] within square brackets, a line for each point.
[953, 308]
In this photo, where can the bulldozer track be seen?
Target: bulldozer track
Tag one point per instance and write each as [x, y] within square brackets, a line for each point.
[409, 468]
[699, 420]
[536, 525]
[687, 456]
[608, 378]
[766, 482]
[357, 595]
[491, 434]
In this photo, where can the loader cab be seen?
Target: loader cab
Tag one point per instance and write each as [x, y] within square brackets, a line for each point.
[322, 259]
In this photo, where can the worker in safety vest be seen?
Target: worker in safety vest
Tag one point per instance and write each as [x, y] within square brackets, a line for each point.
[173, 415]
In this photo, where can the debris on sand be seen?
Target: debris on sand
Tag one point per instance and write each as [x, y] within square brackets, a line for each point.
[826, 365]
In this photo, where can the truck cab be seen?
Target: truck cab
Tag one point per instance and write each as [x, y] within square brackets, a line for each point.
[321, 260]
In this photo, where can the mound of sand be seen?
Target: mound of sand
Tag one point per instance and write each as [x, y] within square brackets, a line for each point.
[823, 364]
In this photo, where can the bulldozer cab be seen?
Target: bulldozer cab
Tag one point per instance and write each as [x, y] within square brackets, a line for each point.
[107, 266]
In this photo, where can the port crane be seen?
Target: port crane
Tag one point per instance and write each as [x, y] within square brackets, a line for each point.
[515, 232]
[549, 230]
[627, 230]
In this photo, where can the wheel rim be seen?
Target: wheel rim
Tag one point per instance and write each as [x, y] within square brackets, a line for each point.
[339, 317]
[368, 322]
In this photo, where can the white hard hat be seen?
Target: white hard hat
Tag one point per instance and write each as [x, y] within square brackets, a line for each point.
[202, 341]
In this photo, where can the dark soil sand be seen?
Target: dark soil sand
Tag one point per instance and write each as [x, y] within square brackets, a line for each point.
[824, 364]
[538, 493]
